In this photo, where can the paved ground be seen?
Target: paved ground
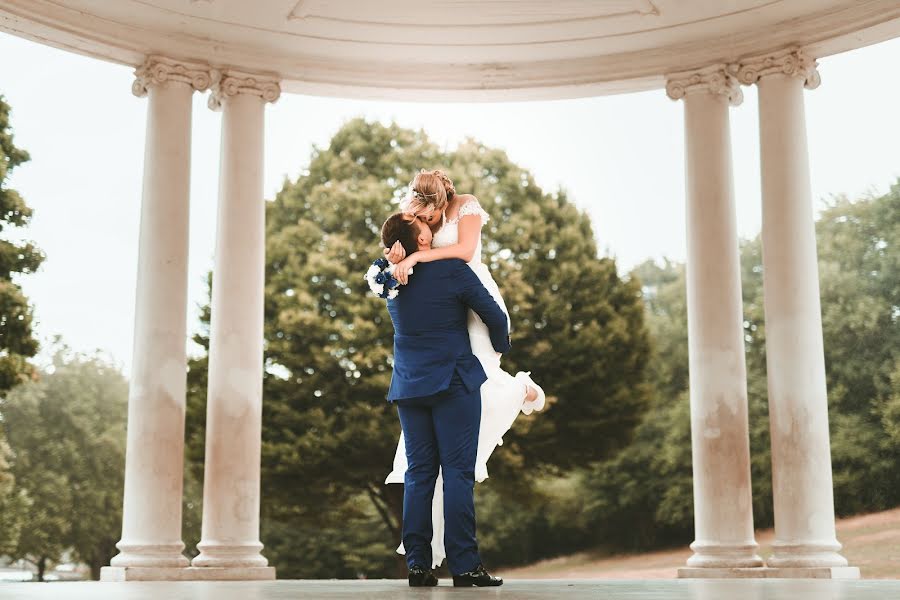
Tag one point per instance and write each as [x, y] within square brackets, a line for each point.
[772, 589]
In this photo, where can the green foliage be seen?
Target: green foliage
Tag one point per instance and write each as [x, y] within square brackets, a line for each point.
[66, 431]
[643, 496]
[859, 265]
[16, 341]
[17, 344]
[14, 504]
[542, 520]
[328, 434]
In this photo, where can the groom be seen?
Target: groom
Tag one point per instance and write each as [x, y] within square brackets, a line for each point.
[436, 386]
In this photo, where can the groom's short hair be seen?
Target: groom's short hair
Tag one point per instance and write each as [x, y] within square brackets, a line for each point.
[401, 227]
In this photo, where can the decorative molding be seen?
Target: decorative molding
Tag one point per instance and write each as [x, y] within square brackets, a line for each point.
[443, 14]
[715, 79]
[231, 83]
[792, 62]
[158, 69]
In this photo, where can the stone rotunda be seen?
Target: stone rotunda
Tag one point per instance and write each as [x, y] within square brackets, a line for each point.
[245, 54]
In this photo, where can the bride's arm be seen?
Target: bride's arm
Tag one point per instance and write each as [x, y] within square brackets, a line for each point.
[469, 232]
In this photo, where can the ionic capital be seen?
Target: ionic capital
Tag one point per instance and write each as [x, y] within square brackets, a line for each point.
[715, 79]
[792, 62]
[157, 70]
[231, 83]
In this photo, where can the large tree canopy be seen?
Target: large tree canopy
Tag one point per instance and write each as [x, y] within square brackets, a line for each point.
[329, 435]
[17, 343]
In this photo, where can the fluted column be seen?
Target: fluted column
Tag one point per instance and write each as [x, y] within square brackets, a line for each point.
[723, 510]
[234, 401]
[151, 520]
[798, 404]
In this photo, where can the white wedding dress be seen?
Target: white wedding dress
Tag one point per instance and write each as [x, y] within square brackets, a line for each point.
[502, 395]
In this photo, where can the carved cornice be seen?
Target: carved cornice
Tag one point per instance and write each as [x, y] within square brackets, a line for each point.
[791, 62]
[715, 79]
[231, 83]
[158, 69]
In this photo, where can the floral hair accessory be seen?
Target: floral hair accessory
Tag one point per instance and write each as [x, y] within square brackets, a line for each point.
[416, 194]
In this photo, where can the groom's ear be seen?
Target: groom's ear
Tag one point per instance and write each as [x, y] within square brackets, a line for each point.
[421, 238]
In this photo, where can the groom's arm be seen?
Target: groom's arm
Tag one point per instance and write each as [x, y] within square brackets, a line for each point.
[474, 295]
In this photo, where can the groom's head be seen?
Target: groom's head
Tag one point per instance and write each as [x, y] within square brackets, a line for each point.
[412, 233]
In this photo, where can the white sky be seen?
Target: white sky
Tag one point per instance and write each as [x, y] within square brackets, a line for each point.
[620, 158]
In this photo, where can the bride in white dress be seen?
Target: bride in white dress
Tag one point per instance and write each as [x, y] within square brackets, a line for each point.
[456, 220]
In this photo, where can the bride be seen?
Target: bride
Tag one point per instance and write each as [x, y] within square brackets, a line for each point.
[456, 220]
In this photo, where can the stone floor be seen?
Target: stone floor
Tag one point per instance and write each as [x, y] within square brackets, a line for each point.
[772, 589]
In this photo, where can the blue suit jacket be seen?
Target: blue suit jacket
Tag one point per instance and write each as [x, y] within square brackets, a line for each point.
[431, 338]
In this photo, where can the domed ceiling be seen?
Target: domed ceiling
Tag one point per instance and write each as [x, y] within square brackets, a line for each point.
[453, 49]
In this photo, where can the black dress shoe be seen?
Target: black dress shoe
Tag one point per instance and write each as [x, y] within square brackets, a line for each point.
[478, 578]
[419, 577]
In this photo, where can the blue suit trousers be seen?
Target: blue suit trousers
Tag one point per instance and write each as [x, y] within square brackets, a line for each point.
[441, 431]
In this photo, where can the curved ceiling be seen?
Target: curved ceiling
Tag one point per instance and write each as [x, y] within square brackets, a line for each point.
[453, 49]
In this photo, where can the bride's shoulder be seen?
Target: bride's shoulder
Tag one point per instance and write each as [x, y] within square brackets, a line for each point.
[469, 205]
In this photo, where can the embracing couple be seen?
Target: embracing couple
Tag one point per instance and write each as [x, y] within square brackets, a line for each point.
[455, 401]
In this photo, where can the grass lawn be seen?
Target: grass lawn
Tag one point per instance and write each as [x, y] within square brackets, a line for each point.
[871, 542]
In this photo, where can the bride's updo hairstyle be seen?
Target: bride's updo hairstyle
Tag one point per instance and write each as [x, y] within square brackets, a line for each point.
[429, 191]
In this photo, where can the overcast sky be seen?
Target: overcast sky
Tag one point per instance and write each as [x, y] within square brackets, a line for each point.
[619, 157]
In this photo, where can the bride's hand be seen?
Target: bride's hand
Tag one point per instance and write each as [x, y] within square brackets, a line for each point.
[395, 253]
[401, 271]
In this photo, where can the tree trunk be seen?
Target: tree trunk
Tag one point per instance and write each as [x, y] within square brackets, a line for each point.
[388, 501]
[41, 567]
[96, 564]
[393, 496]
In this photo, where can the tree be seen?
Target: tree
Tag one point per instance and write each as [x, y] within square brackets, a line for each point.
[647, 487]
[642, 497]
[328, 434]
[14, 504]
[859, 267]
[17, 343]
[67, 435]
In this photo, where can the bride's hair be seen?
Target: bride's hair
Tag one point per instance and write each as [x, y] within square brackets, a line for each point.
[429, 191]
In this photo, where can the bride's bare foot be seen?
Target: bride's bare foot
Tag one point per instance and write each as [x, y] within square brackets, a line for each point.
[534, 395]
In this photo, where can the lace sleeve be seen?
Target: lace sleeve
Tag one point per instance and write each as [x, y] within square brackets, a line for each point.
[472, 207]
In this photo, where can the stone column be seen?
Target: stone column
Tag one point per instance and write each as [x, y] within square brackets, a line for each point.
[723, 510]
[151, 520]
[798, 403]
[234, 401]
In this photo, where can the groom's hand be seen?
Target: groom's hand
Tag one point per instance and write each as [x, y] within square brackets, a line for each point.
[395, 253]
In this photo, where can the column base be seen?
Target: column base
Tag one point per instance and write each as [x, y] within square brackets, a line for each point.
[229, 556]
[725, 556]
[187, 574]
[805, 556]
[150, 555]
[769, 573]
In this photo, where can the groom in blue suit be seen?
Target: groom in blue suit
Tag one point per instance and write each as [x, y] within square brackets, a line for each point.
[436, 386]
